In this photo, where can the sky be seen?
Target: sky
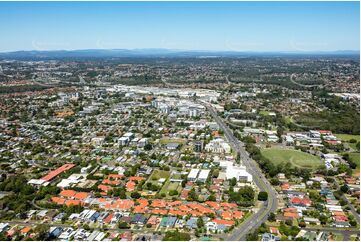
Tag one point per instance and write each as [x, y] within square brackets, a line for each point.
[227, 26]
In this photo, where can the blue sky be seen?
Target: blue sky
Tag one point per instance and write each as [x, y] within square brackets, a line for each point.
[235, 26]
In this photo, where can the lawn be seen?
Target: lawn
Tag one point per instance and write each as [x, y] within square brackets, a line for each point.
[168, 186]
[295, 157]
[154, 178]
[157, 174]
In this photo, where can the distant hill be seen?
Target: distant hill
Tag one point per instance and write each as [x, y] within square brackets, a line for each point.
[144, 53]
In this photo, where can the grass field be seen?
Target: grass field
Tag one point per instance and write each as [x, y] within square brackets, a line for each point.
[168, 186]
[157, 174]
[295, 157]
[348, 137]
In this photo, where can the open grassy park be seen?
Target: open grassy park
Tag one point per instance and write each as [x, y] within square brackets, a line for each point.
[295, 157]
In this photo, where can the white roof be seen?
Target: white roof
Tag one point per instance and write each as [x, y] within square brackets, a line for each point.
[203, 174]
[36, 181]
[225, 163]
[237, 172]
[100, 236]
[193, 173]
[66, 183]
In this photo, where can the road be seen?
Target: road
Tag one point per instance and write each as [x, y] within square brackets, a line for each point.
[302, 85]
[256, 219]
[352, 208]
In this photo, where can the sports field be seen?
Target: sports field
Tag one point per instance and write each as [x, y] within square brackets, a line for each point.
[295, 157]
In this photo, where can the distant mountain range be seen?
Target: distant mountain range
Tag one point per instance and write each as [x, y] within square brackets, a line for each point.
[146, 53]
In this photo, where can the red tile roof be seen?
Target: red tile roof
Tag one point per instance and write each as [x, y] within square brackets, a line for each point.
[108, 219]
[67, 193]
[301, 201]
[58, 200]
[338, 213]
[111, 182]
[214, 205]
[159, 211]
[136, 178]
[130, 186]
[238, 214]
[159, 203]
[115, 176]
[290, 215]
[229, 205]
[227, 215]
[285, 186]
[81, 195]
[222, 221]
[340, 218]
[72, 202]
[25, 230]
[51, 175]
[104, 188]
[291, 210]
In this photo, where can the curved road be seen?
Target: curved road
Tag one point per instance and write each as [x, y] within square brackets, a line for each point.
[302, 85]
[256, 219]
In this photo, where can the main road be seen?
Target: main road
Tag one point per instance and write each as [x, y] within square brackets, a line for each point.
[256, 219]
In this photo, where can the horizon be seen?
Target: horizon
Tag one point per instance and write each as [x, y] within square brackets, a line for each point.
[183, 26]
[186, 50]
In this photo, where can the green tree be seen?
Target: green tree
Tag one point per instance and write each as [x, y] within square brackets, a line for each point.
[262, 196]
[200, 223]
[123, 225]
[344, 188]
[135, 195]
